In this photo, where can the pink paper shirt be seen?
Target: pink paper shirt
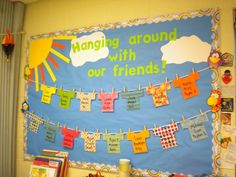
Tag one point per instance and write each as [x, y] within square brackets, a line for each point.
[107, 101]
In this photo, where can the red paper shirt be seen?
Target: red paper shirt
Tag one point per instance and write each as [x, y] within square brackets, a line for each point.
[69, 136]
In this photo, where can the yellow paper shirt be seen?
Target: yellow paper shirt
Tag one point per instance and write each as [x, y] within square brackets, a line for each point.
[47, 93]
[139, 141]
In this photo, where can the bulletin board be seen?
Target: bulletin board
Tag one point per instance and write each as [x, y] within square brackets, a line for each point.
[145, 80]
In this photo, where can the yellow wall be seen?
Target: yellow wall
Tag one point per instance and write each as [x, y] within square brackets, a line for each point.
[52, 15]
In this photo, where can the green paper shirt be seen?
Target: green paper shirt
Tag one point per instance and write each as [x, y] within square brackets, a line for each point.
[113, 142]
[65, 97]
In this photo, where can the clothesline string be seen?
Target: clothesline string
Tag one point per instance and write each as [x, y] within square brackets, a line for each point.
[141, 87]
[150, 129]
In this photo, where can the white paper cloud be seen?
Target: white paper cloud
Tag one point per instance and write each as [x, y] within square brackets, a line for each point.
[88, 48]
[186, 48]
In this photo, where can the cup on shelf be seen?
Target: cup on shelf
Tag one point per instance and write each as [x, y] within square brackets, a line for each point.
[124, 168]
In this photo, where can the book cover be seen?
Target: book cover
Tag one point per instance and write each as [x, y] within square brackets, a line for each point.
[40, 171]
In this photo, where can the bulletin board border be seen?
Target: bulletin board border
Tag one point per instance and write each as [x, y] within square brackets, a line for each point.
[216, 148]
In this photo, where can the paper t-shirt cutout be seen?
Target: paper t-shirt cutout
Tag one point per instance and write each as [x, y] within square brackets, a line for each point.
[132, 99]
[69, 137]
[47, 93]
[166, 135]
[90, 141]
[34, 124]
[139, 140]
[113, 142]
[85, 100]
[188, 85]
[196, 127]
[50, 131]
[159, 94]
[108, 101]
[65, 97]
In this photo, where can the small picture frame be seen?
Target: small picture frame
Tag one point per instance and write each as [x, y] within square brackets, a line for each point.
[227, 76]
[225, 118]
[227, 104]
[225, 142]
[227, 59]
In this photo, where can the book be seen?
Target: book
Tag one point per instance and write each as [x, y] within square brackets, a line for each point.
[60, 160]
[41, 171]
[58, 154]
[51, 163]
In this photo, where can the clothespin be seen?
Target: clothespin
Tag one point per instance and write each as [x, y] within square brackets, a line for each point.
[150, 84]
[193, 70]
[183, 118]
[201, 112]
[166, 79]
[96, 130]
[144, 127]
[106, 131]
[139, 87]
[177, 77]
[129, 130]
[64, 125]
[80, 90]
[101, 90]
[120, 131]
[84, 130]
[94, 90]
[58, 124]
[42, 119]
[124, 89]
[48, 120]
[154, 125]
[74, 90]
[61, 87]
[172, 121]
[76, 128]
[30, 114]
[112, 90]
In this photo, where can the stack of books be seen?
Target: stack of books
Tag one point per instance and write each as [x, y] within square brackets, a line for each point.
[50, 163]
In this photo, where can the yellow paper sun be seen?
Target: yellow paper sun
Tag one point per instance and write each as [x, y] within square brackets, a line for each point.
[40, 51]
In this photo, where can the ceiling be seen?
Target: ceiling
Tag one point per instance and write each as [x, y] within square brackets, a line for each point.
[25, 1]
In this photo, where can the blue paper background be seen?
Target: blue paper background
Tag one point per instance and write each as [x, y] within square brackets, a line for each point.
[188, 157]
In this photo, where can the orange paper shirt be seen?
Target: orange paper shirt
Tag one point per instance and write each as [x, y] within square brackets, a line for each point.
[188, 85]
[138, 140]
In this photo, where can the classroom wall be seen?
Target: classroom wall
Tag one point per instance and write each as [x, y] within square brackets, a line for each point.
[52, 15]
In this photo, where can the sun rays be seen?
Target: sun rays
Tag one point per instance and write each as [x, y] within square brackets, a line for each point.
[43, 54]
